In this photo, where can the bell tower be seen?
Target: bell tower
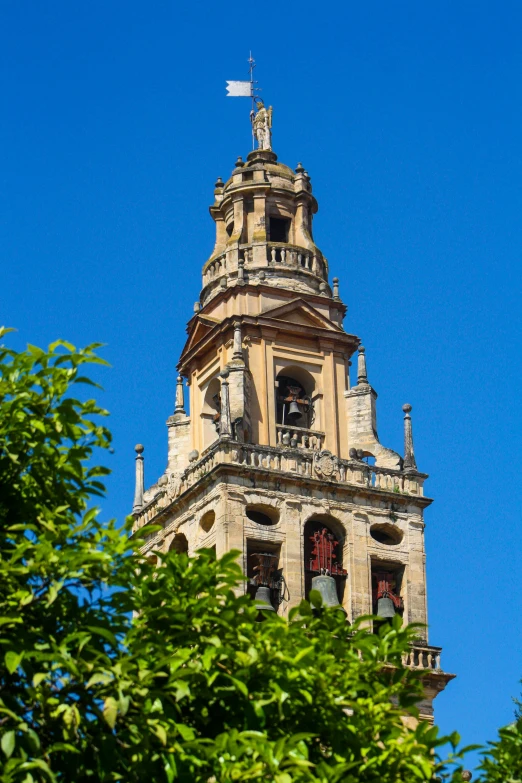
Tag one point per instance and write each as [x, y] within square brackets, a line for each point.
[271, 449]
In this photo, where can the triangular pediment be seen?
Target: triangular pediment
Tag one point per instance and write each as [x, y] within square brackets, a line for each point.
[301, 312]
[198, 328]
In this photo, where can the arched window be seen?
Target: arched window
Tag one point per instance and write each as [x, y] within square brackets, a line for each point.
[323, 552]
[294, 398]
[387, 579]
[179, 543]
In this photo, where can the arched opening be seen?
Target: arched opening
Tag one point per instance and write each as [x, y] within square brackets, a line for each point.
[387, 586]
[179, 543]
[206, 522]
[323, 552]
[295, 404]
[262, 515]
[211, 412]
[265, 576]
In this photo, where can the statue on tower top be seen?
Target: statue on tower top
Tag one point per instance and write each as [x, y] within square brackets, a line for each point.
[262, 125]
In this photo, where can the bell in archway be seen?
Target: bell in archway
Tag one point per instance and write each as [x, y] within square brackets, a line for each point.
[294, 411]
[328, 589]
[385, 608]
[262, 599]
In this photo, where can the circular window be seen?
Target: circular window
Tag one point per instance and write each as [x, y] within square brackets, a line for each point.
[207, 521]
[386, 534]
[262, 516]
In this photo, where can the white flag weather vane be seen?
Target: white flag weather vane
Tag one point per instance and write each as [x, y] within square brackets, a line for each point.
[245, 89]
[239, 89]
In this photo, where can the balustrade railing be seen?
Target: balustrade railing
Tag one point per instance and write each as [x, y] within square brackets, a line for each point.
[299, 437]
[294, 256]
[277, 254]
[420, 657]
[215, 269]
[296, 457]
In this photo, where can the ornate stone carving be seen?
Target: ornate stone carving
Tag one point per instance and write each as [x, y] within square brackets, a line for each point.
[325, 464]
[174, 485]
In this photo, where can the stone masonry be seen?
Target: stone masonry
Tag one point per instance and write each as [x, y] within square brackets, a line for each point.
[272, 442]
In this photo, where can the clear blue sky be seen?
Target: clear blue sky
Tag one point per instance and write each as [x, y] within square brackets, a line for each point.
[114, 126]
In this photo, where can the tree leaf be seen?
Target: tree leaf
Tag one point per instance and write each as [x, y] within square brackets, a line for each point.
[8, 743]
[110, 711]
[12, 660]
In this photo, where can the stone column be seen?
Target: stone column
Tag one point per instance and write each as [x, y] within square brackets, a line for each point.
[410, 464]
[237, 352]
[138, 492]
[225, 427]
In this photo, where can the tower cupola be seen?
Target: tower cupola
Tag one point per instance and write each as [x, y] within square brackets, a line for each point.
[263, 215]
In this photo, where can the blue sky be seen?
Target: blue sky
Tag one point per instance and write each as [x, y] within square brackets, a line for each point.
[407, 115]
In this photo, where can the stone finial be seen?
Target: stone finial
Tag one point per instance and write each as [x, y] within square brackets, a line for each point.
[466, 775]
[138, 492]
[219, 183]
[197, 307]
[409, 456]
[225, 425]
[239, 162]
[180, 400]
[335, 282]
[362, 375]
[238, 348]
[299, 169]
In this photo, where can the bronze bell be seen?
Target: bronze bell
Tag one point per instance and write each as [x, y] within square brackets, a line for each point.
[385, 608]
[328, 589]
[262, 599]
[294, 412]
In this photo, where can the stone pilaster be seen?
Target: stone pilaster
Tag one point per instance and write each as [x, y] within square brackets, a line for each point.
[225, 425]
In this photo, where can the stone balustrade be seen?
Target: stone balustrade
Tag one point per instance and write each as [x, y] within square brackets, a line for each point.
[296, 257]
[300, 460]
[299, 437]
[215, 269]
[423, 657]
[277, 254]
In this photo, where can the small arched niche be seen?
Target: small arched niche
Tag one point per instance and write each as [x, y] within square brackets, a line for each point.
[179, 544]
[386, 533]
[294, 398]
[206, 522]
[211, 412]
[262, 515]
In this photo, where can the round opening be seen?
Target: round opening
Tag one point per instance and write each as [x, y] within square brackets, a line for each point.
[262, 516]
[207, 521]
[386, 534]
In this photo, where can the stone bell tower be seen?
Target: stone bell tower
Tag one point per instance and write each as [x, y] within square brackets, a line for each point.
[271, 450]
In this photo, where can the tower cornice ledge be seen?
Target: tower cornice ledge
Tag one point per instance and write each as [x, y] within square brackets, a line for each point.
[346, 343]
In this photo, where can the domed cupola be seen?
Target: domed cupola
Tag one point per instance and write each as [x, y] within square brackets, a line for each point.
[263, 216]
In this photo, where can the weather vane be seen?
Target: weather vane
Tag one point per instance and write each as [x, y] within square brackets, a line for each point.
[262, 119]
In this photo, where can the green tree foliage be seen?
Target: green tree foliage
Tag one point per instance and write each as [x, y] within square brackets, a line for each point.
[502, 762]
[113, 669]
